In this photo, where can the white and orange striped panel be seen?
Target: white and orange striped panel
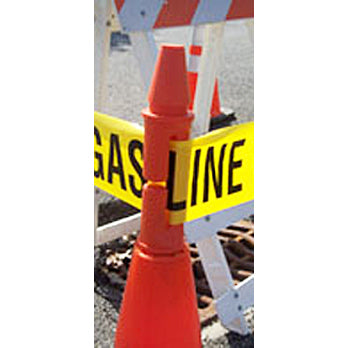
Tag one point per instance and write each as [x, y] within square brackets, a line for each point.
[195, 52]
[143, 15]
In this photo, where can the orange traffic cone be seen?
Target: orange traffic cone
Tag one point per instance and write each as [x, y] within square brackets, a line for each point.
[159, 307]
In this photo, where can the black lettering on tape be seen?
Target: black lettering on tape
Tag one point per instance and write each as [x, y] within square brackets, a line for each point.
[234, 165]
[132, 147]
[217, 181]
[195, 177]
[98, 156]
[174, 206]
[115, 145]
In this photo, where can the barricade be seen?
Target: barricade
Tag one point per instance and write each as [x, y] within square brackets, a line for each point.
[229, 300]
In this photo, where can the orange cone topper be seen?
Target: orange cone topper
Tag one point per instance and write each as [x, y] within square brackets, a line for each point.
[159, 307]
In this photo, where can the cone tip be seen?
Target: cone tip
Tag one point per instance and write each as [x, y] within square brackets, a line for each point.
[169, 93]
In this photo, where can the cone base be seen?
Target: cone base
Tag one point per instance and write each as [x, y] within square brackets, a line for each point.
[159, 307]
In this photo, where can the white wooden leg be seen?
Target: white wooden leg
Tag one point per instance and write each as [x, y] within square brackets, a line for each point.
[117, 229]
[207, 70]
[246, 291]
[215, 265]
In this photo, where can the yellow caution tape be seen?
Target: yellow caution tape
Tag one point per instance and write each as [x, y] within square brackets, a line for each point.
[206, 174]
[118, 162]
[219, 170]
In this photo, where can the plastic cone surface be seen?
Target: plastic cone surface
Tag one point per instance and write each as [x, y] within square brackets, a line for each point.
[215, 106]
[169, 93]
[159, 308]
[192, 78]
[160, 304]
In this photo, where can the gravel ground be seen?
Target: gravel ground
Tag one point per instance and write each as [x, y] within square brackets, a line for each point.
[105, 319]
[236, 74]
[127, 98]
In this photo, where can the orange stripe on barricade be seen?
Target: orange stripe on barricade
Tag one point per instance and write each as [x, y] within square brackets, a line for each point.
[241, 9]
[176, 12]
